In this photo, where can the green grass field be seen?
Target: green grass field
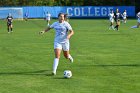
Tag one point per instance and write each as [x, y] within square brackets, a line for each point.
[105, 61]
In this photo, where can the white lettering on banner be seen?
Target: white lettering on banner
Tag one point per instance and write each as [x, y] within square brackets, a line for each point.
[97, 11]
[69, 10]
[77, 11]
[83, 12]
[89, 11]
[109, 9]
[103, 11]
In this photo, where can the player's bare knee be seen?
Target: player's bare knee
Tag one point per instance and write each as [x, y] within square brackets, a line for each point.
[66, 56]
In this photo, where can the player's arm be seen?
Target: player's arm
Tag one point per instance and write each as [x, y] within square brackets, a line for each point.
[46, 30]
[12, 19]
[70, 34]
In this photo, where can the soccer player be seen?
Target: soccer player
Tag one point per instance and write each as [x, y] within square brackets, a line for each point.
[138, 15]
[61, 41]
[138, 24]
[124, 16]
[48, 18]
[9, 23]
[111, 19]
[117, 15]
[26, 16]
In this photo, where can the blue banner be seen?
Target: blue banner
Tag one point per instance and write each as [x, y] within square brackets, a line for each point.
[79, 12]
[73, 11]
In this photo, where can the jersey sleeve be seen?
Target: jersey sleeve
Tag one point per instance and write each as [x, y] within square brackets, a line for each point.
[52, 26]
[68, 26]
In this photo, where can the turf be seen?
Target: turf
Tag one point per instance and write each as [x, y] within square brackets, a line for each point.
[105, 61]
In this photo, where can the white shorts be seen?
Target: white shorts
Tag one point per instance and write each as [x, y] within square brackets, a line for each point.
[48, 19]
[65, 46]
[111, 20]
[124, 17]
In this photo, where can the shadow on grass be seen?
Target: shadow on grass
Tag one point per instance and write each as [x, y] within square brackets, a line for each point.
[39, 72]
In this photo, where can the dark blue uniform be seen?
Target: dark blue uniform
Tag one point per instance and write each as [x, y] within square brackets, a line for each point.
[9, 20]
[9, 23]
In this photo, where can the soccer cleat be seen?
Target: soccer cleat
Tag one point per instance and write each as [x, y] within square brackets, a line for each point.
[71, 59]
[53, 73]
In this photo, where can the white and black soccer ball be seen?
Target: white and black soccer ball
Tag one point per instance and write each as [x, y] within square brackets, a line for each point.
[67, 74]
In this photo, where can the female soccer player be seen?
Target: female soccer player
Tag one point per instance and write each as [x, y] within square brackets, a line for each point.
[61, 41]
[9, 23]
[124, 16]
[26, 16]
[111, 19]
[48, 18]
[138, 24]
[138, 15]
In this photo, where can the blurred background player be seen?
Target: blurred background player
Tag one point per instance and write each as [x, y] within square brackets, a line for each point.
[117, 15]
[138, 15]
[111, 19]
[9, 23]
[124, 16]
[66, 16]
[117, 25]
[26, 16]
[138, 24]
[48, 18]
[61, 43]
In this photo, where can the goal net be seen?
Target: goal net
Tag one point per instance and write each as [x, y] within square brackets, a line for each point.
[17, 13]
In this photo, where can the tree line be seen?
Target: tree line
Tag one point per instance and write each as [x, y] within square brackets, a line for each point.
[68, 2]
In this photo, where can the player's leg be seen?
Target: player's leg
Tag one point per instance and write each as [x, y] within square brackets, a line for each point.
[68, 56]
[48, 22]
[8, 27]
[66, 53]
[57, 51]
[11, 28]
[138, 24]
[124, 20]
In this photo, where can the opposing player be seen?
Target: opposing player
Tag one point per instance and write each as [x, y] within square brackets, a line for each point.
[9, 23]
[61, 41]
[26, 16]
[124, 16]
[117, 15]
[111, 19]
[48, 18]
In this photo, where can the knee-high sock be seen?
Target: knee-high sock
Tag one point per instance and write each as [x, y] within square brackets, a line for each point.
[55, 65]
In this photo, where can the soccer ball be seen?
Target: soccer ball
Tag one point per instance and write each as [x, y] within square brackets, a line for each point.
[67, 74]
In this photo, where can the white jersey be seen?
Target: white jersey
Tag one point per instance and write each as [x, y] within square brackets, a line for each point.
[61, 31]
[138, 15]
[111, 17]
[48, 16]
[124, 14]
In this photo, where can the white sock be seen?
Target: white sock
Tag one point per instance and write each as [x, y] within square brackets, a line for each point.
[112, 27]
[55, 64]
[70, 58]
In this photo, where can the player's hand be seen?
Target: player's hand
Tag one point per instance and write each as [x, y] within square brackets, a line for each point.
[41, 32]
